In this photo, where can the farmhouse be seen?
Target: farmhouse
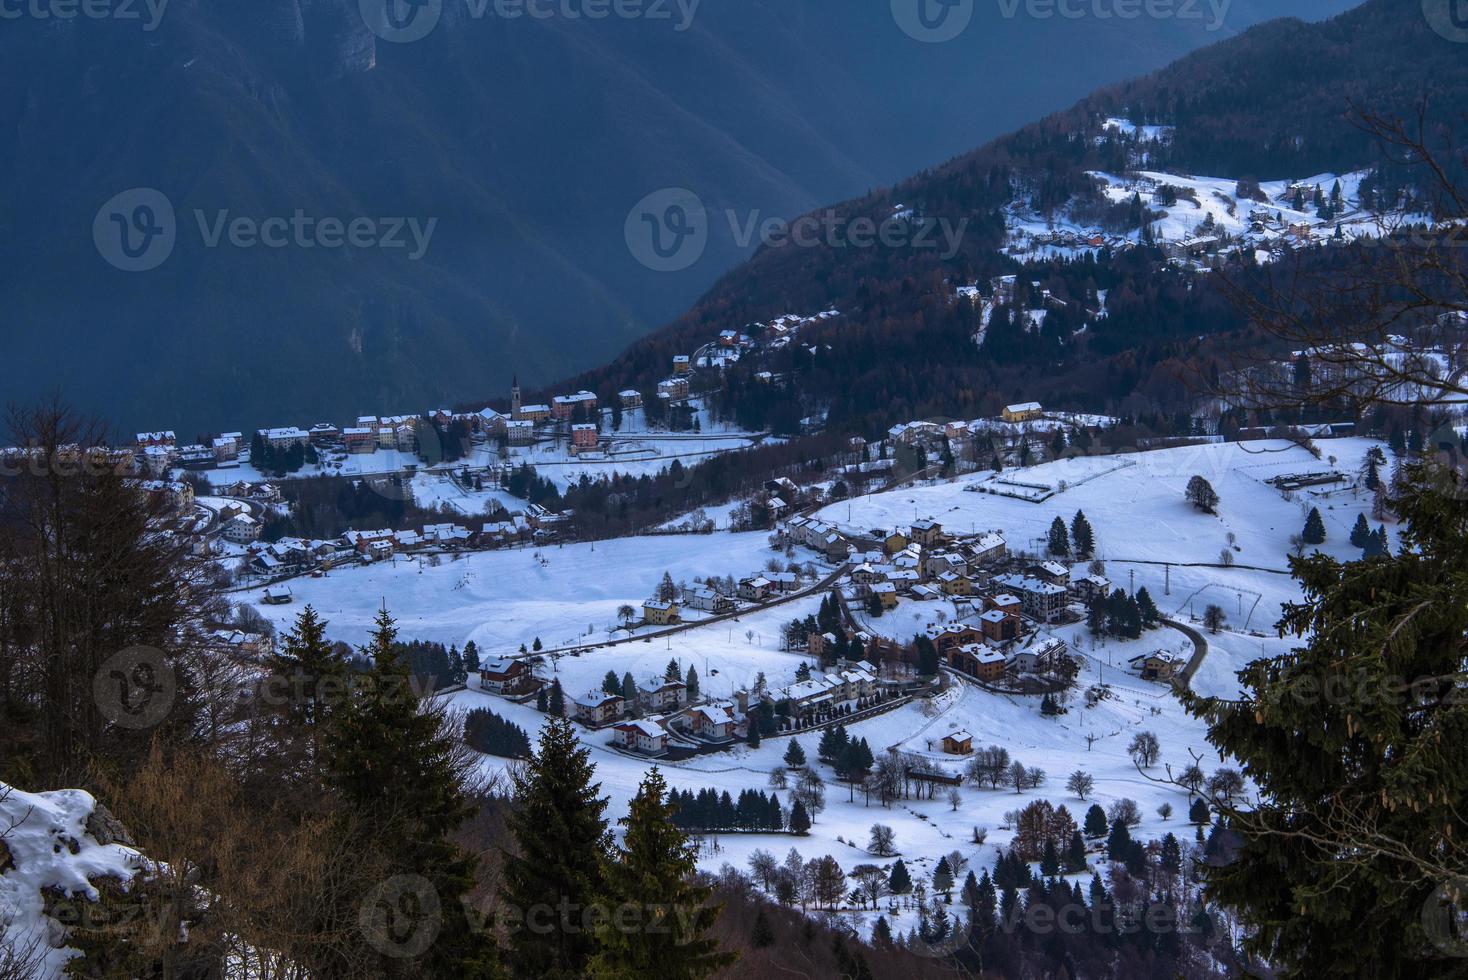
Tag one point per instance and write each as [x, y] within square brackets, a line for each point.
[506, 677]
[710, 721]
[927, 533]
[597, 708]
[707, 600]
[643, 735]
[1023, 412]
[278, 595]
[659, 612]
[958, 743]
[978, 660]
[662, 695]
[1156, 666]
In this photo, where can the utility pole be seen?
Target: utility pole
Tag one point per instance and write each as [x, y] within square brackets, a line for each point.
[1132, 581]
[1167, 580]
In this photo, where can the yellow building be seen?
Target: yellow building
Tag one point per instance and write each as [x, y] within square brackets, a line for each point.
[1025, 412]
[659, 613]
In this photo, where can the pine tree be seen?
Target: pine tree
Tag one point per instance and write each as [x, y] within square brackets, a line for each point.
[560, 854]
[943, 877]
[1082, 537]
[899, 882]
[1391, 765]
[1095, 823]
[471, 657]
[556, 703]
[610, 684]
[392, 762]
[652, 872]
[799, 819]
[1198, 812]
[1119, 843]
[1314, 532]
[1147, 608]
[1049, 859]
[762, 935]
[310, 667]
[1075, 854]
[1059, 539]
[794, 755]
[1360, 531]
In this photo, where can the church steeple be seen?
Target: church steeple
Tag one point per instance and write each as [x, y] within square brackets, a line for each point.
[515, 395]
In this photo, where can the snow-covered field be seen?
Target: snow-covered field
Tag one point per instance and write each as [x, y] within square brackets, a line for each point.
[563, 594]
[503, 599]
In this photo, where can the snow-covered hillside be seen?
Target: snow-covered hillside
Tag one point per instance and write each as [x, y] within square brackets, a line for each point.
[1146, 532]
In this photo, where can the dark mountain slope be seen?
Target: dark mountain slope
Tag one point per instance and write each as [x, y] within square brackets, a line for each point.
[528, 140]
[1274, 102]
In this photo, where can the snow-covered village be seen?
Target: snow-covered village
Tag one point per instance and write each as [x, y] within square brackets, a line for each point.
[915, 490]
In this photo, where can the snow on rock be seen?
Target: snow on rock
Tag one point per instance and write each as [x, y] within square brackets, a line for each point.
[51, 842]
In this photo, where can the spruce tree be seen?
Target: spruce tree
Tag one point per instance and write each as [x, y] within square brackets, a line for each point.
[690, 683]
[393, 764]
[799, 819]
[1095, 823]
[556, 702]
[899, 882]
[762, 935]
[943, 877]
[471, 657]
[794, 755]
[1360, 531]
[1314, 532]
[1059, 539]
[1327, 872]
[309, 667]
[652, 872]
[1075, 854]
[560, 854]
[1082, 537]
[1147, 607]
[1119, 843]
